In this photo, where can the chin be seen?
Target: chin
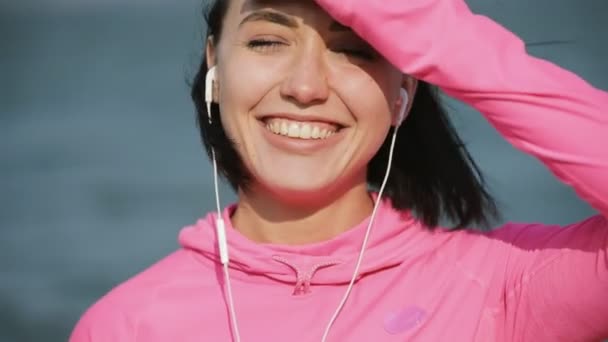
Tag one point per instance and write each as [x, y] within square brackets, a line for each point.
[305, 191]
[300, 189]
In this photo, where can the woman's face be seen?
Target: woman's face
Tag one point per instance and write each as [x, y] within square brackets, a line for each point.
[307, 102]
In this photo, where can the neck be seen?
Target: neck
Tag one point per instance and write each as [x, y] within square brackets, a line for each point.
[264, 218]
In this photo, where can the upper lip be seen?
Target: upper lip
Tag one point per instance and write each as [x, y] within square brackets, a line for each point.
[301, 117]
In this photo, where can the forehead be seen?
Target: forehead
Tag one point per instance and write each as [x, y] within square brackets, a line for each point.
[290, 13]
[239, 9]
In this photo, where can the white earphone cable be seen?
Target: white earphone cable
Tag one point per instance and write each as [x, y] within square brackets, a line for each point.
[235, 327]
[223, 249]
[225, 261]
[219, 221]
[365, 240]
[221, 230]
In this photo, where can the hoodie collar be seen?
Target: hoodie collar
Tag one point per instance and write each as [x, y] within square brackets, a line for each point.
[391, 240]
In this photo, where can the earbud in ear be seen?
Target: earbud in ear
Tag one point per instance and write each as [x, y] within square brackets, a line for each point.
[210, 79]
[401, 115]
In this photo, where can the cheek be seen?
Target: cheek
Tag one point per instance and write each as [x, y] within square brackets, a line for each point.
[241, 88]
[369, 94]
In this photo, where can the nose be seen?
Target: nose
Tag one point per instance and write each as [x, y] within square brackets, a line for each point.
[306, 82]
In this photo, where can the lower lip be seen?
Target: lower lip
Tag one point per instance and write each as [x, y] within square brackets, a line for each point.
[296, 145]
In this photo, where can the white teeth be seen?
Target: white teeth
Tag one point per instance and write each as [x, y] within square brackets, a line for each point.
[301, 130]
[305, 131]
[294, 130]
[315, 132]
[325, 134]
[284, 128]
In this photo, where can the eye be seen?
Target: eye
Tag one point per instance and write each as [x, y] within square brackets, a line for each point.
[264, 45]
[365, 54]
[354, 49]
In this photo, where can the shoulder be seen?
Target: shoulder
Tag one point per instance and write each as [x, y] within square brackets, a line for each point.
[516, 252]
[520, 248]
[589, 233]
[115, 316]
[516, 236]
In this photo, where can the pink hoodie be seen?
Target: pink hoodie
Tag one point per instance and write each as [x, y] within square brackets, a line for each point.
[521, 282]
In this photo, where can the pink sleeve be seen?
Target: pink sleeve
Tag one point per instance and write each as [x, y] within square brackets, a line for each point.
[553, 283]
[104, 322]
[538, 107]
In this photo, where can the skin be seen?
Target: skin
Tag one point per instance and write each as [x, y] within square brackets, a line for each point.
[297, 61]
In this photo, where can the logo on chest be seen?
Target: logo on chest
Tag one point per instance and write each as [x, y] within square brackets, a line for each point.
[401, 321]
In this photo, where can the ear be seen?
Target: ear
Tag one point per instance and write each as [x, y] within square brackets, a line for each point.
[211, 57]
[410, 84]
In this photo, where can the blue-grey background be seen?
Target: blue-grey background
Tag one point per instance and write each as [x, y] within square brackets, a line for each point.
[100, 160]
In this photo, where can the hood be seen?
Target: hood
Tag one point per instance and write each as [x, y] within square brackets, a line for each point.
[392, 239]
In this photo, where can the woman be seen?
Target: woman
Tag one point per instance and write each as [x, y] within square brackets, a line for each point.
[298, 103]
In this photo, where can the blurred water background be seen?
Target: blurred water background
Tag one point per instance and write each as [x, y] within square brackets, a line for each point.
[100, 160]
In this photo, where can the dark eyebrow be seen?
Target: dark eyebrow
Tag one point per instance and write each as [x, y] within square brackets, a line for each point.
[273, 17]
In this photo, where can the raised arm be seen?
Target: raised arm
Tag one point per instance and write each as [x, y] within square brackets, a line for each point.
[552, 282]
[537, 106]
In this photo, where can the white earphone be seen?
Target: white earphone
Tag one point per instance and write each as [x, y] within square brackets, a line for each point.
[402, 110]
[209, 84]
[220, 226]
[210, 80]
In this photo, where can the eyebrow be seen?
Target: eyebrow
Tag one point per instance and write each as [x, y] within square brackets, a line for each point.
[285, 20]
[273, 17]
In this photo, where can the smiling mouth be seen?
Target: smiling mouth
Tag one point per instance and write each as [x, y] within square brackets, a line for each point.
[301, 129]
